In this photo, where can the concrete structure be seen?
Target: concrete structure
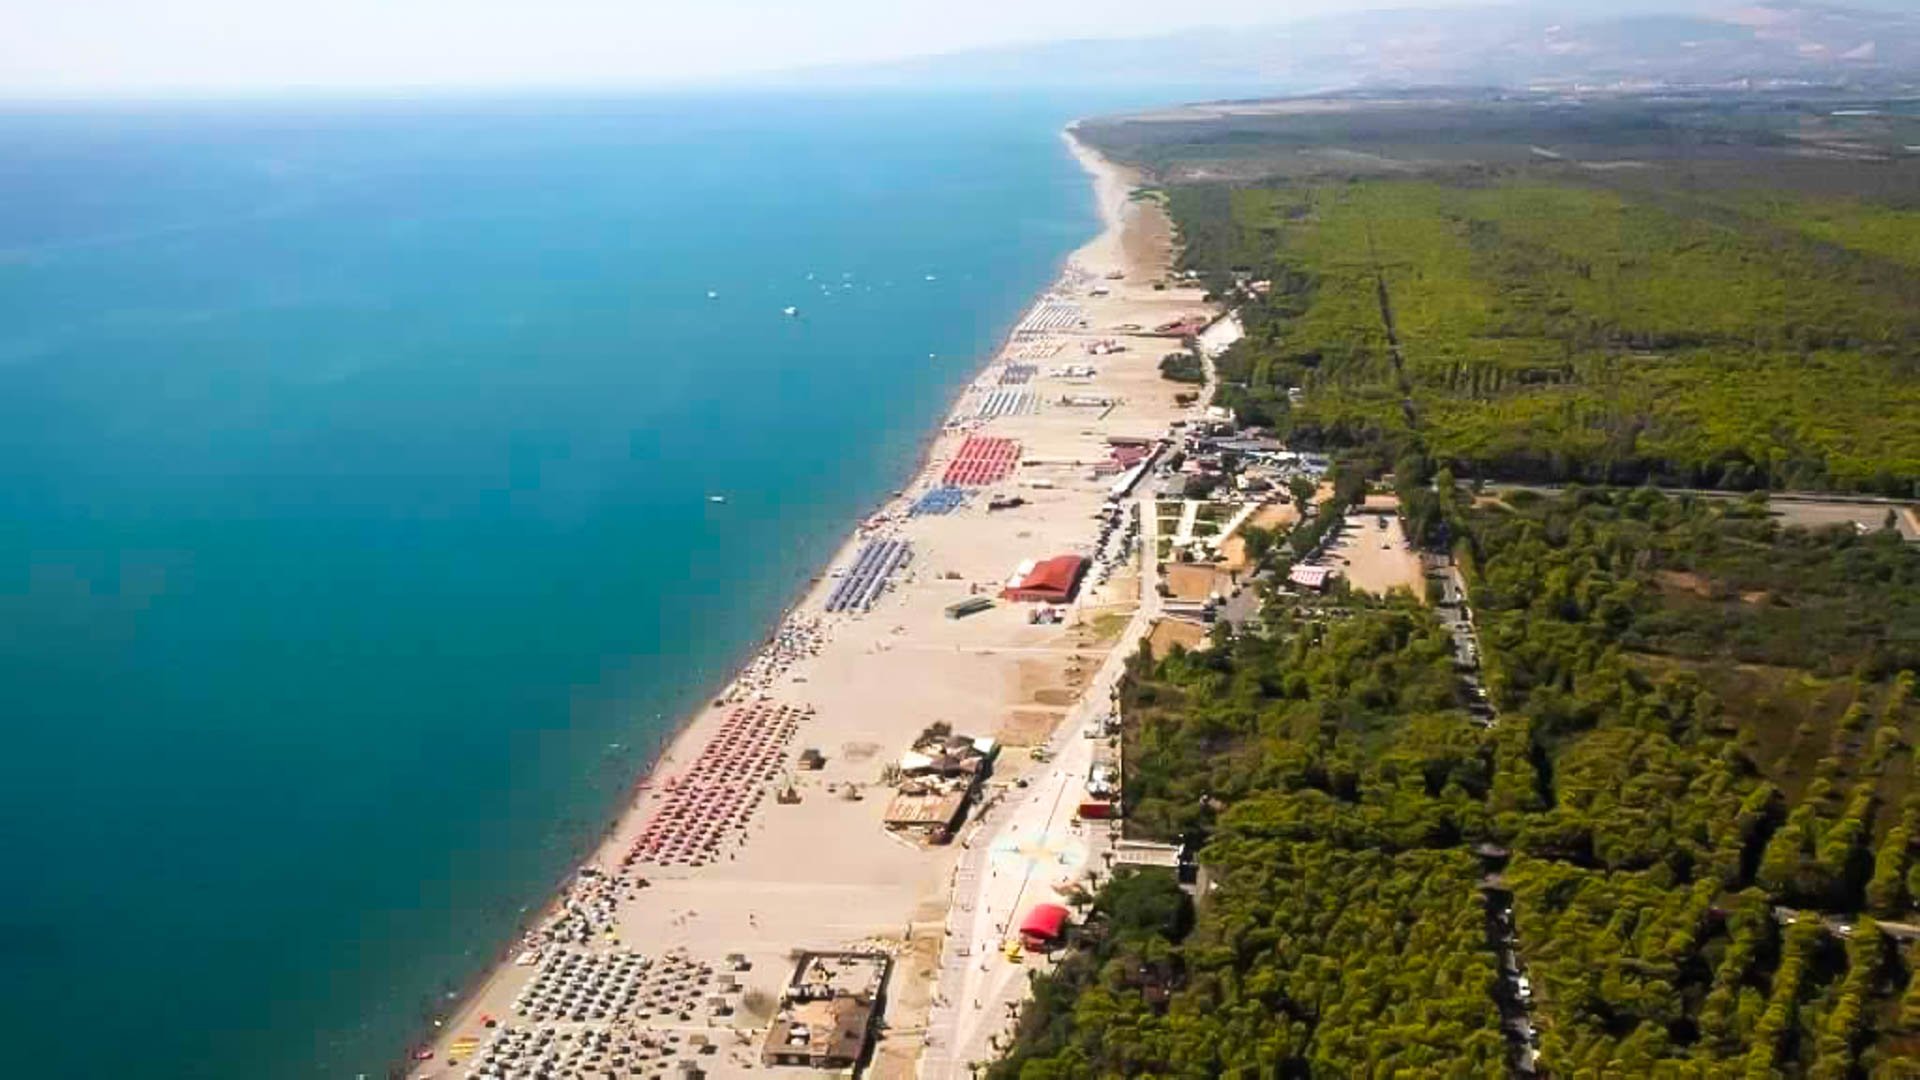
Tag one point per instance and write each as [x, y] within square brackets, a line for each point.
[828, 1010]
[1147, 853]
[938, 778]
[972, 605]
[1311, 577]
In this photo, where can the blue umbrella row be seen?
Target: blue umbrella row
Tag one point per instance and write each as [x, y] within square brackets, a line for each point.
[871, 571]
[941, 500]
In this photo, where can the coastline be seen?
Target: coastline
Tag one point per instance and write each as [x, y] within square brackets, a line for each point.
[766, 668]
[1113, 186]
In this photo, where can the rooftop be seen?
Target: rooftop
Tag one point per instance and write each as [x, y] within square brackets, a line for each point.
[1046, 579]
[827, 1013]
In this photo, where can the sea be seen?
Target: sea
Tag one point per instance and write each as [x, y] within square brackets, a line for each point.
[357, 540]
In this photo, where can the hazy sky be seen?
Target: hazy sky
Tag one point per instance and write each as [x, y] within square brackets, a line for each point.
[60, 47]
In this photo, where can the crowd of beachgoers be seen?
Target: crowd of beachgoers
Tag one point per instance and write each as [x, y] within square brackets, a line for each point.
[613, 1013]
[585, 913]
[580, 985]
[798, 638]
[702, 810]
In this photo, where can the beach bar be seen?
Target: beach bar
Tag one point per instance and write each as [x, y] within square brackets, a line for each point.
[1049, 581]
[828, 1010]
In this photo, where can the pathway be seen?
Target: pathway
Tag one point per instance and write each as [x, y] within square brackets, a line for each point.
[1017, 851]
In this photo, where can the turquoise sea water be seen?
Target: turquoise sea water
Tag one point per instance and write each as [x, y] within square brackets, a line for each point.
[355, 549]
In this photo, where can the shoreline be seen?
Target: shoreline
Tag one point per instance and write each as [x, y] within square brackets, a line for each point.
[749, 676]
[445, 1010]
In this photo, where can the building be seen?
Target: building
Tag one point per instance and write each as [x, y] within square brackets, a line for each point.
[1143, 854]
[1253, 445]
[1043, 927]
[1102, 801]
[972, 605]
[1198, 482]
[1049, 581]
[1148, 853]
[938, 778]
[828, 1010]
[1311, 577]
[1103, 781]
[1217, 338]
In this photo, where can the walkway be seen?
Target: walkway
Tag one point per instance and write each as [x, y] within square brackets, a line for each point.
[1017, 851]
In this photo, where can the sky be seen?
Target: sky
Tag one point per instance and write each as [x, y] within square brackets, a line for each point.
[61, 48]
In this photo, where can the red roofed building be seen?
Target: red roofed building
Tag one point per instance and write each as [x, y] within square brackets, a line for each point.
[1049, 581]
[1043, 926]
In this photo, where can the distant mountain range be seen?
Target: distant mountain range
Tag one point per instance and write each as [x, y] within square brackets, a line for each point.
[1578, 43]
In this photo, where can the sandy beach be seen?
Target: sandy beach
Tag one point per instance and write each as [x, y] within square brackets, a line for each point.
[675, 941]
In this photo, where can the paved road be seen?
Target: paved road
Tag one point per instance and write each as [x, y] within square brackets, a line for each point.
[1018, 851]
[1721, 493]
[1906, 520]
[1899, 931]
[1514, 994]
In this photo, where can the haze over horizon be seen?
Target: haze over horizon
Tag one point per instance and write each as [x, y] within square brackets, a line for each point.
[199, 47]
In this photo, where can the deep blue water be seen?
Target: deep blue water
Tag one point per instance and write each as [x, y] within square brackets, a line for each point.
[354, 543]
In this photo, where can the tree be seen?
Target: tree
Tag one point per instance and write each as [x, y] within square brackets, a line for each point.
[1302, 490]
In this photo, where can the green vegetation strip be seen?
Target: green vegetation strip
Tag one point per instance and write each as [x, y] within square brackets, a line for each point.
[1706, 720]
[1554, 330]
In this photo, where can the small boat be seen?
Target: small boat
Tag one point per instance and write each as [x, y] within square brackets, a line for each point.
[790, 312]
[716, 498]
[713, 294]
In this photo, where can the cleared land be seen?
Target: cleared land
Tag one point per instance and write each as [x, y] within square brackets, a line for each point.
[1374, 556]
